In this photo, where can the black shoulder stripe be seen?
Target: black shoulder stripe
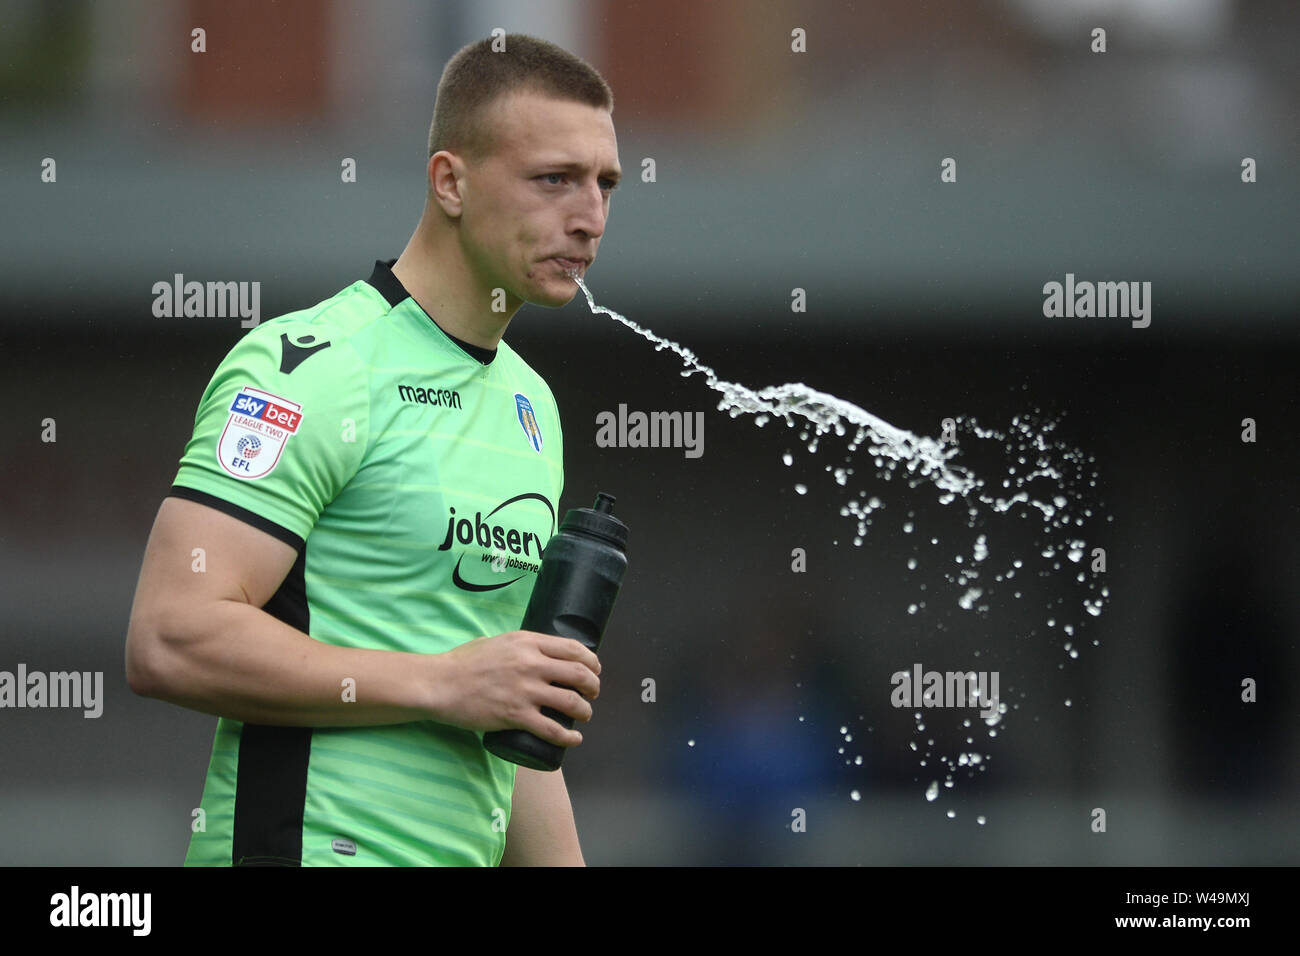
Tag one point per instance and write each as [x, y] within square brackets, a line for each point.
[243, 514]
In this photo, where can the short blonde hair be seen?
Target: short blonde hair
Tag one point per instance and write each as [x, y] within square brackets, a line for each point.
[477, 75]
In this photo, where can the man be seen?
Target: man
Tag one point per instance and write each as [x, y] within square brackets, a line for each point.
[368, 491]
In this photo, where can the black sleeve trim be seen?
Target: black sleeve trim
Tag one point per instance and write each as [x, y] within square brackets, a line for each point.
[243, 514]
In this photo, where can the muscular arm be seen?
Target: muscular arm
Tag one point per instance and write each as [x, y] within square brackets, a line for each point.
[542, 831]
[200, 639]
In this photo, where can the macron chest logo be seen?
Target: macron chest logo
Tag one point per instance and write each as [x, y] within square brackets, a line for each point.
[430, 395]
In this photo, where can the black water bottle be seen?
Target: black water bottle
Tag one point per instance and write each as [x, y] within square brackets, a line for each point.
[582, 569]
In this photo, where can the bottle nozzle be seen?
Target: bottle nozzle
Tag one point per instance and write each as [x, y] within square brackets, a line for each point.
[604, 503]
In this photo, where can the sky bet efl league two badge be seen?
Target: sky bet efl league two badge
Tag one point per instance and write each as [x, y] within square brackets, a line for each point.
[528, 421]
[259, 426]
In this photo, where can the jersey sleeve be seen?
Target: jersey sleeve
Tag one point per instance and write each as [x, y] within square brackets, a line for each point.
[280, 430]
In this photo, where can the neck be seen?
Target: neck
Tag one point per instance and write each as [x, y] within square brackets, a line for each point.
[433, 269]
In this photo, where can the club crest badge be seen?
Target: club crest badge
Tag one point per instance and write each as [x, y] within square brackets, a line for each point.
[259, 426]
[528, 422]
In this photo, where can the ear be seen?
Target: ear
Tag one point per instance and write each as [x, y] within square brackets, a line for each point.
[446, 173]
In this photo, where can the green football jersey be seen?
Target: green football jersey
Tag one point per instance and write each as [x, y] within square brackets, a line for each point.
[419, 478]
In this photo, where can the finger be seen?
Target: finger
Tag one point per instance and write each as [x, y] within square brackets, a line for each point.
[566, 648]
[559, 735]
[552, 731]
[575, 677]
[566, 701]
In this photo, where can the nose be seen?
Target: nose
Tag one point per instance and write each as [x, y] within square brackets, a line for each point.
[589, 214]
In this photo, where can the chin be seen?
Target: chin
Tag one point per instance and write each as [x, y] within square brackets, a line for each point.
[554, 300]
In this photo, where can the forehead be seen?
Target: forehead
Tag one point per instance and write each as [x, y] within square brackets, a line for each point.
[530, 125]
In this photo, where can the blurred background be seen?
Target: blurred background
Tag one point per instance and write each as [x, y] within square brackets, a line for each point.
[774, 170]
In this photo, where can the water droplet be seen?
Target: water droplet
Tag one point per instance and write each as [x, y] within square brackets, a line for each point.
[690, 743]
[855, 795]
[932, 791]
[917, 459]
[980, 820]
[951, 814]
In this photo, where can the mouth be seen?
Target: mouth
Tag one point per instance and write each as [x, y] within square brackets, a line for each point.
[570, 266]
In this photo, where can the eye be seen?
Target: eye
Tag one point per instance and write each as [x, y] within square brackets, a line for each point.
[608, 185]
[550, 176]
